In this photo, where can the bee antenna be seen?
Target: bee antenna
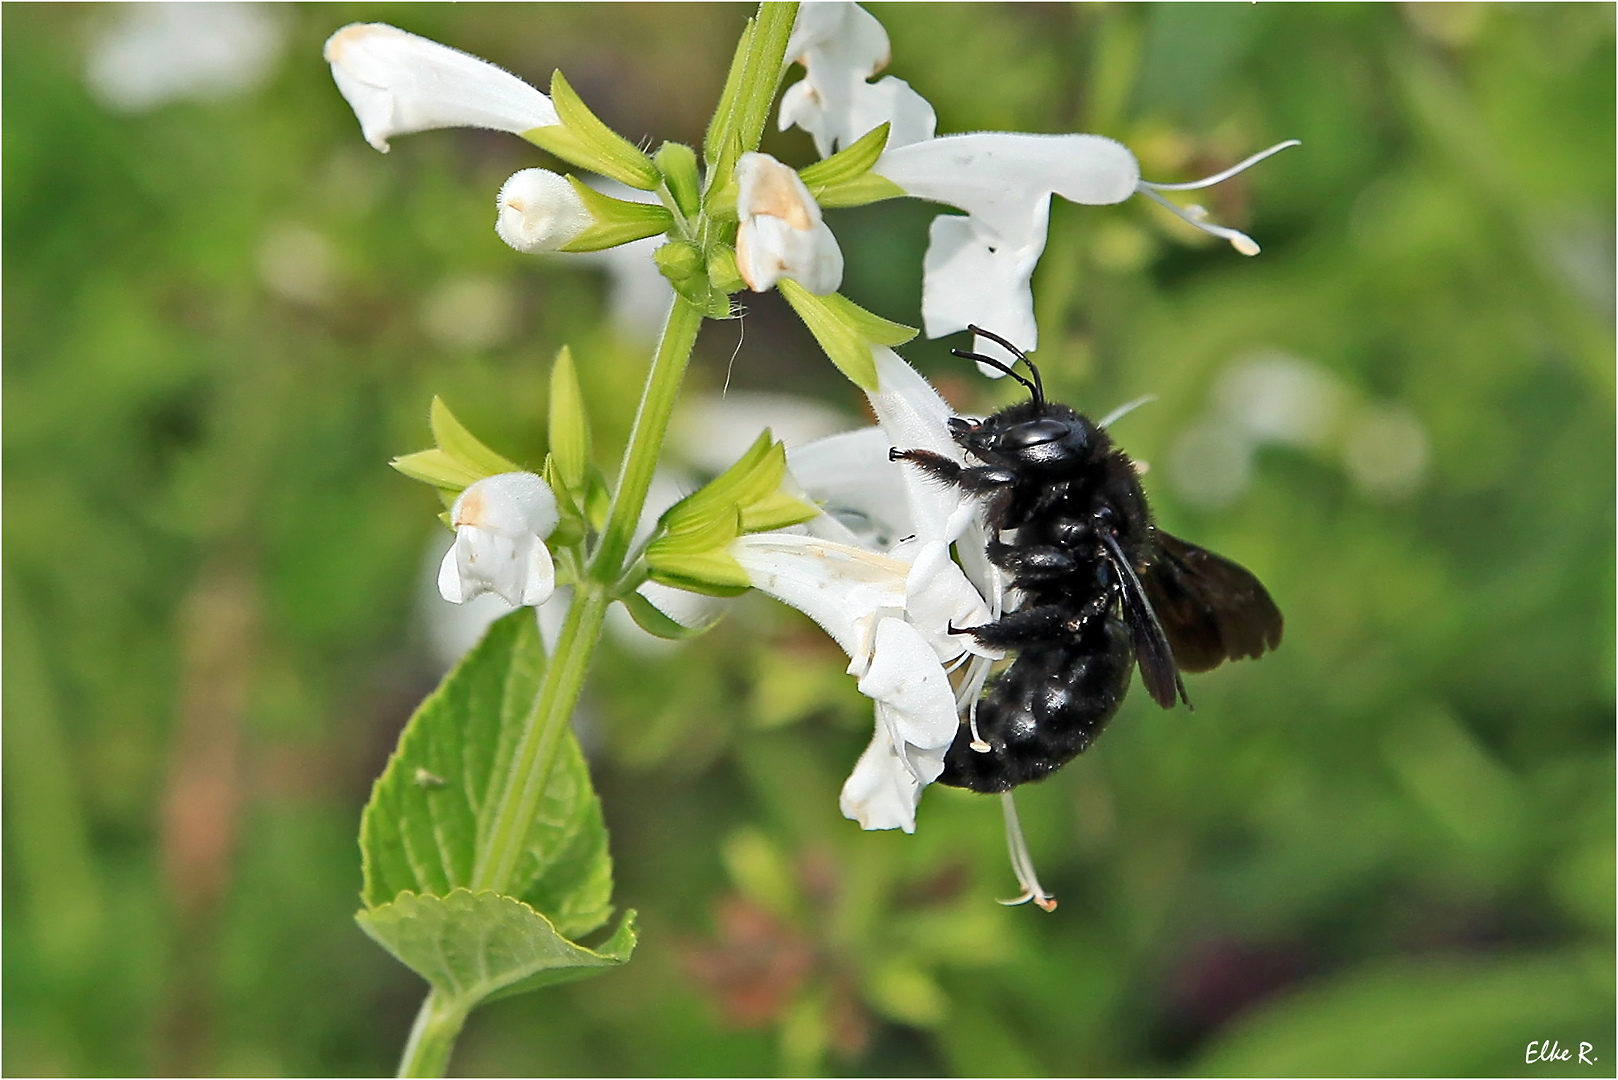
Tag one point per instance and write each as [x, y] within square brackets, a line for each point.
[998, 366]
[1038, 386]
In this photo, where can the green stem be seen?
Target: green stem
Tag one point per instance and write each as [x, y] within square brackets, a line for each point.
[432, 1037]
[501, 848]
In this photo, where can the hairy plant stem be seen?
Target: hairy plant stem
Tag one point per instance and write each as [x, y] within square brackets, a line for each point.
[501, 847]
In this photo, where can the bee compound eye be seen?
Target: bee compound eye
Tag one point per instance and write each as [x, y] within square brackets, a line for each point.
[1034, 433]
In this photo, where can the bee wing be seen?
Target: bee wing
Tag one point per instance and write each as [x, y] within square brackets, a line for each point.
[1210, 609]
[1152, 650]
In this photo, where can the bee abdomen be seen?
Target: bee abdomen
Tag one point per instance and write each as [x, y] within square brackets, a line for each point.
[1045, 710]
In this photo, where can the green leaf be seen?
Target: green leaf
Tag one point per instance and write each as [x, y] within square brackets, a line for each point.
[615, 221]
[569, 423]
[591, 143]
[678, 163]
[422, 838]
[473, 947]
[650, 618]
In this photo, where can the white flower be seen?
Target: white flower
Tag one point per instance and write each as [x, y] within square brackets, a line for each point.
[840, 46]
[977, 268]
[152, 54]
[876, 574]
[538, 210]
[501, 523]
[399, 83]
[781, 232]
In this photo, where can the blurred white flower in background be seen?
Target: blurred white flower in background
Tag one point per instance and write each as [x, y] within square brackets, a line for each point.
[152, 54]
[1271, 398]
[297, 264]
[470, 313]
[710, 432]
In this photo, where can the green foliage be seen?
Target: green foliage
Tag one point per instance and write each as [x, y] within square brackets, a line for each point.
[476, 947]
[846, 331]
[584, 140]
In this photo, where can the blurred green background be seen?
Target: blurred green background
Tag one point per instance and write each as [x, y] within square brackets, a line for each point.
[1386, 849]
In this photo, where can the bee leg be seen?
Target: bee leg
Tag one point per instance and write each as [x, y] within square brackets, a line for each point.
[1029, 565]
[1023, 627]
[979, 480]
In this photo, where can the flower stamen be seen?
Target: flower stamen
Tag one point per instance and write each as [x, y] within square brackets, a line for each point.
[1196, 216]
[1022, 864]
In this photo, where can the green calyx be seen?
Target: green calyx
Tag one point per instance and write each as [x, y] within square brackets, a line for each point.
[687, 269]
[459, 459]
[581, 138]
[692, 551]
[616, 221]
[846, 332]
[846, 179]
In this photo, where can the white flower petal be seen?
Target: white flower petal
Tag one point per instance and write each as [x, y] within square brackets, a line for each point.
[973, 277]
[996, 176]
[538, 210]
[449, 577]
[509, 503]
[840, 587]
[840, 46]
[400, 83]
[906, 678]
[781, 233]
[539, 581]
[853, 480]
[915, 417]
[938, 596]
[881, 792]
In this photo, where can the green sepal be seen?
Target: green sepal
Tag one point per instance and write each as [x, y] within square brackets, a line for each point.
[584, 140]
[845, 178]
[681, 262]
[755, 475]
[723, 274]
[845, 330]
[650, 618]
[719, 201]
[718, 138]
[777, 511]
[569, 423]
[870, 188]
[713, 574]
[678, 163]
[458, 461]
[597, 500]
[478, 946]
[616, 221]
[698, 535]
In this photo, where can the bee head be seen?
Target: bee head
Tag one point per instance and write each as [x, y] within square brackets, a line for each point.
[1031, 436]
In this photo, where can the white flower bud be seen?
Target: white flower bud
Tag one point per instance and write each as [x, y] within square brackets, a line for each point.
[538, 210]
[781, 233]
[501, 523]
[398, 83]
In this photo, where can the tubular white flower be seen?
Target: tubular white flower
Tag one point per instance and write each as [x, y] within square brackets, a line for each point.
[876, 574]
[841, 46]
[501, 523]
[398, 83]
[781, 232]
[538, 210]
[977, 269]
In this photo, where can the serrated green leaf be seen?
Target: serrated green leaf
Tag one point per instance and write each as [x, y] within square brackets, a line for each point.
[453, 438]
[848, 164]
[475, 947]
[602, 149]
[422, 839]
[616, 221]
[678, 163]
[569, 423]
[650, 618]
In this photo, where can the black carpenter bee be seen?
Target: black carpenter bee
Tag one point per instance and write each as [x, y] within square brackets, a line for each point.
[1104, 589]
